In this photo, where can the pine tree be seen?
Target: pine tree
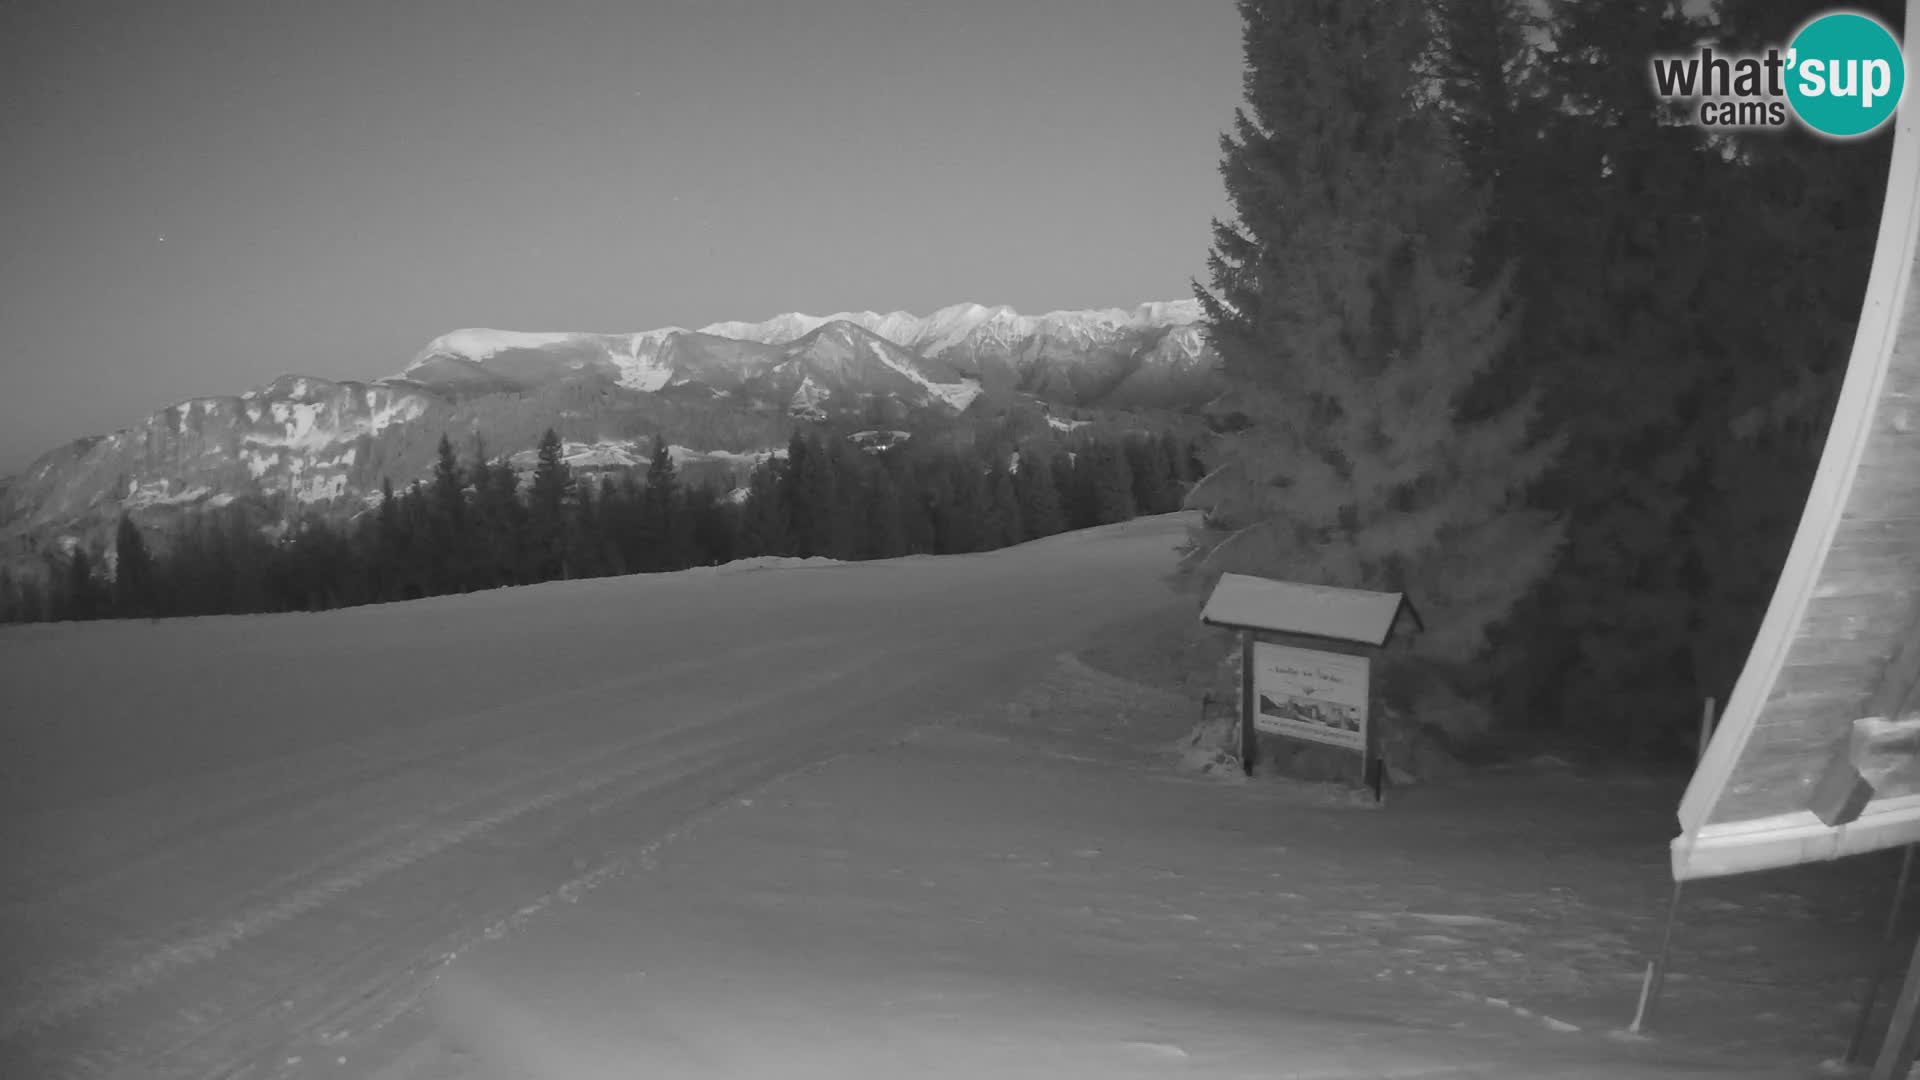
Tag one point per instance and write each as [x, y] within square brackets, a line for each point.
[960, 513]
[450, 538]
[766, 526]
[850, 468]
[132, 571]
[1152, 488]
[1193, 463]
[1068, 481]
[1618, 325]
[1040, 513]
[508, 529]
[663, 519]
[716, 527]
[886, 536]
[1491, 98]
[1343, 463]
[81, 592]
[810, 496]
[1001, 527]
[583, 550]
[1175, 458]
[389, 544]
[1109, 484]
[548, 521]
[914, 483]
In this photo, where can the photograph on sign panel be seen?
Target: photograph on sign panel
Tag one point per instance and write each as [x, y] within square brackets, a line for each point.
[1311, 695]
[1304, 710]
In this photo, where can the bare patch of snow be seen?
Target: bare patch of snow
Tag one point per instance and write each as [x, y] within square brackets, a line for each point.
[161, 493]
[479, 343]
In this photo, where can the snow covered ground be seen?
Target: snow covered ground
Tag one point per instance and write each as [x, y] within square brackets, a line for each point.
[1031, 892]
[818, 820]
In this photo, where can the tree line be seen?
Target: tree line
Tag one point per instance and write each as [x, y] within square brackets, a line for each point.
[1508, 332]
[476, 525]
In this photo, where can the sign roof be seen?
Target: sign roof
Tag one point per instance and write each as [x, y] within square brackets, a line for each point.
[1244, 602]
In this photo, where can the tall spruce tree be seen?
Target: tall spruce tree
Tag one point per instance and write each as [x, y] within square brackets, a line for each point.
[1039, 498]
[1620, 320]
[810, 495]
[962, 507]
[1001, 525]
[389, 544]
[847, 529]
[548, 522]
[450, 536]
[713, 527]
[1066, 485]
[82, 594]
[886, 535]
[766, 523]
[663, 518]
[132, 572]
[1348, 332]
[1175, 457]
[1108, 482]
[1153, 491]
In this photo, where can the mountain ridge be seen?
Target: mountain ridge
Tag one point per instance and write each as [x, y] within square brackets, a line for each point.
[327, 442]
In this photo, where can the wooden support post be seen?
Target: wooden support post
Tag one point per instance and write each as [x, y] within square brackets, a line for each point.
[1867, 754]
[1858, 1043]
[1706, 730]
[1247, 703]
[1897, 1049]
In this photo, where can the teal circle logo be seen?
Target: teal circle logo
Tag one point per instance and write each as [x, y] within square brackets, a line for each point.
[1846, 74]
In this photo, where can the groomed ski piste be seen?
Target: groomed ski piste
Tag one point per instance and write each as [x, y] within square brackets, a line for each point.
[922, 817]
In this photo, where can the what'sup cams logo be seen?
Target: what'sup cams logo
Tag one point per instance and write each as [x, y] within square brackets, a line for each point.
[1842, 76]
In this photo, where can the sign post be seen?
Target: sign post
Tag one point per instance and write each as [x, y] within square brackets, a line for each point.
[1307, 666]
[1248, 733]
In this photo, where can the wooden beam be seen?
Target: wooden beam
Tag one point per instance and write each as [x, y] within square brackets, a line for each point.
[1895, 694]
[1884, 750]
[1882, 747]
[1841, 793]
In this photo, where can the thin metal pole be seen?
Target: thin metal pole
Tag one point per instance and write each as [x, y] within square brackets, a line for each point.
[1882, 961]
[1656, 979]
[1895, 1060]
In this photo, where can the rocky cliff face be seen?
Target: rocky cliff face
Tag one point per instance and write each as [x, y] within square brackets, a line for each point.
[723, 394]
[313, 440]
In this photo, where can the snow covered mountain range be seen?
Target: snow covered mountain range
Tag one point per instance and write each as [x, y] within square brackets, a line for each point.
[723, 393]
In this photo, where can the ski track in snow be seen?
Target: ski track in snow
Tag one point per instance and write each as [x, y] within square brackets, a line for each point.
[627, 768]
[262, 918]
[1073, 923]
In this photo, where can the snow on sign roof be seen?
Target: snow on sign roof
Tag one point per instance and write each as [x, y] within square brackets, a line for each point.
[1288, 607]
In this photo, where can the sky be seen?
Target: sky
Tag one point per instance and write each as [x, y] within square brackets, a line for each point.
[201, 196]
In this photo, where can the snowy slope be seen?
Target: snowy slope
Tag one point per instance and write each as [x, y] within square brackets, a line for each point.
[1027, 892]
[316, 810]
[684, 826]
